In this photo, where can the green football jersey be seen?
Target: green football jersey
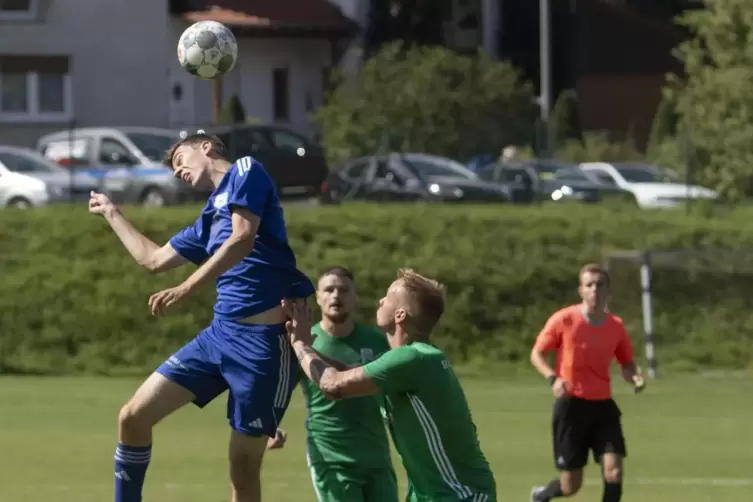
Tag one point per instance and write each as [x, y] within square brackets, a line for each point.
[351, 430]
[431, 426]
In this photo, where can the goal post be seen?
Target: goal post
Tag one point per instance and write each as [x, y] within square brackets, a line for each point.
[694, 306]
[643, 260]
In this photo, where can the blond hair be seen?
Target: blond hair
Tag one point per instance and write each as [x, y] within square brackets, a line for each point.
[426, 300]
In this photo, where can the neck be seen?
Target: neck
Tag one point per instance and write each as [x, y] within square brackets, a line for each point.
[337, 329]
[593, 314]
[400, 338]
[218, 170]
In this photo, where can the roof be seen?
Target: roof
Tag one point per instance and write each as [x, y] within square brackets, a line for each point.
[291, 16]
[79, 132]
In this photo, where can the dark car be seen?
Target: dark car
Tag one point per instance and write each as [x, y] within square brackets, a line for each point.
[408, 178]
[550, 179]
[295, 163]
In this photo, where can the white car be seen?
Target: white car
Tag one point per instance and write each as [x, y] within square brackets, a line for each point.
[651, 186]
[22, 191]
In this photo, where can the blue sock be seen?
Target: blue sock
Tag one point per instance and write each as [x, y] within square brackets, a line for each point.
[130, 470]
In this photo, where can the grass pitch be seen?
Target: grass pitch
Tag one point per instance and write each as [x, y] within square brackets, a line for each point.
[690, 439]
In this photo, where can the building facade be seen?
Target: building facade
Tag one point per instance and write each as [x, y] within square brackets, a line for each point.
[79, 63]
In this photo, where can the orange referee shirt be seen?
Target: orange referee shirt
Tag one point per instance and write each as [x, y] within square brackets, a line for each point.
[585, 351]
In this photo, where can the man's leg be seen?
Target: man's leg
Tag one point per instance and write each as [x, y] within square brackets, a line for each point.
[611, 464]
[258, 366]
[187, 376]
[570, 427]
[380, 486]
[154, 400]
[610, 450]
[339, 484]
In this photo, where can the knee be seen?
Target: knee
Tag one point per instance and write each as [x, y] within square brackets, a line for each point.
[570, 482]
[613, 474]
[132, 418]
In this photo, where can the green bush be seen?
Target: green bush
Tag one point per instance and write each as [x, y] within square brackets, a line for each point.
[72, 300]
[427, 99]
[566, 124]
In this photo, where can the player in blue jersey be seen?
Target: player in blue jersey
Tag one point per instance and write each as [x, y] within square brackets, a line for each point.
[239, 242]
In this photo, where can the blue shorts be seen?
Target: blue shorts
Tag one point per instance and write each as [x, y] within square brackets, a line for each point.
[254, 361]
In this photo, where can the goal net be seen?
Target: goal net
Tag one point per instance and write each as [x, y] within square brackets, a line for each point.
[693, 306]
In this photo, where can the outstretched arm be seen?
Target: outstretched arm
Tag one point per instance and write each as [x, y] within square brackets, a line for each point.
[333, 383]
[146, 252]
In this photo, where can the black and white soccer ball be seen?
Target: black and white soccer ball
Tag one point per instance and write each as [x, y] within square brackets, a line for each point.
[207, 49]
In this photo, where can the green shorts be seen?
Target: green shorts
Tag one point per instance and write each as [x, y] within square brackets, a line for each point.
[337, 483]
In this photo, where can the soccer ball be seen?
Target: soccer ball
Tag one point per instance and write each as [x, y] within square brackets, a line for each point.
[207, 49]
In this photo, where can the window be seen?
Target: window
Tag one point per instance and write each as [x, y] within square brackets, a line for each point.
[438, 166]
[35, 89]
[17, 9]
[639, 173]
[23, 164]
[68, 152]
[113, 152]
[604, 177]
[242, 142]
[152, 146]
[289, 142]
[357, 170]
[280, 95]
[570, 174]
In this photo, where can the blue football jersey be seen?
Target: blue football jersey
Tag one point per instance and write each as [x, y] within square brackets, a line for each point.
[269, 272]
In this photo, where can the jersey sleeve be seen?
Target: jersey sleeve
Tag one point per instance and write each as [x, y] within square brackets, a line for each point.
[189, 244]
[252, 187]
[396, 371]
[550, 337]
[624, 351]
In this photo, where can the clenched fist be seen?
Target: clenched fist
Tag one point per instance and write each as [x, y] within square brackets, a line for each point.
[100, 204]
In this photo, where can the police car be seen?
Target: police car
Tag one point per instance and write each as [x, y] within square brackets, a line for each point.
[126, 161]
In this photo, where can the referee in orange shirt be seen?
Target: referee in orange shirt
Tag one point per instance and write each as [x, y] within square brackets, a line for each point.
[586, 339]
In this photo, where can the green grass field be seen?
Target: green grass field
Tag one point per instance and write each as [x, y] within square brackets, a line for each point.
[690, 439]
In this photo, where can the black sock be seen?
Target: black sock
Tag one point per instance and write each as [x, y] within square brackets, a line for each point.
[612, 492]
[552, 490]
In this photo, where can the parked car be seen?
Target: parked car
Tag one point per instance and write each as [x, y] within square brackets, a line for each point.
[126, 160]
[408, 177]
[60, 183]
[549, 179]
[651, 187]
[295, 163]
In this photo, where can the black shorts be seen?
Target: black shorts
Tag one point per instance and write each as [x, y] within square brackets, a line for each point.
[580, 426]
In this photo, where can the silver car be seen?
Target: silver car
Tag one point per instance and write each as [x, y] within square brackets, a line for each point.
[27, 180]
[126, 160]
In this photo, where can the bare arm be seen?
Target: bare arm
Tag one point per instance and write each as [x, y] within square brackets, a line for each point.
[333, 383]
[146, 252]
[538, 360]
[233, 250]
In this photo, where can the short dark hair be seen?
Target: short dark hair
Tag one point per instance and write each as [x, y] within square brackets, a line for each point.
[338, 271]
[219, 150]
[595, 268]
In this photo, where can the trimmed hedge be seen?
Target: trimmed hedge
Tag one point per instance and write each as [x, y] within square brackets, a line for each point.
[72, 300]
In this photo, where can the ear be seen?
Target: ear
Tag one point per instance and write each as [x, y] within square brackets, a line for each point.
[205, 147]
[400, 316]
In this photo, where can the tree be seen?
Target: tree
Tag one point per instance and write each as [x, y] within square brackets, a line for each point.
[427, 99]
[565, 120]
[664, 126]
[715, 103]
[232, 111]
